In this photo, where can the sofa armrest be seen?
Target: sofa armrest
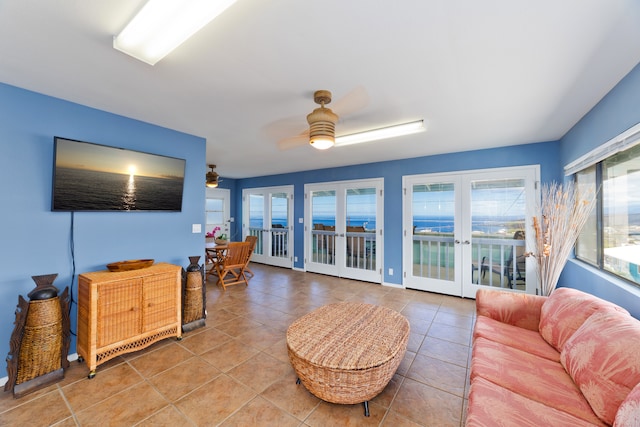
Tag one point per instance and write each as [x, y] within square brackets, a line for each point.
[522, 310]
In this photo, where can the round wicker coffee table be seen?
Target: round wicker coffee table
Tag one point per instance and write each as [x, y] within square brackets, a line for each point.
[347, 352]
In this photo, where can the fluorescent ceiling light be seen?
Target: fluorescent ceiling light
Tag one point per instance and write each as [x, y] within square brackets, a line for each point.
[381, 133]
[163, 25]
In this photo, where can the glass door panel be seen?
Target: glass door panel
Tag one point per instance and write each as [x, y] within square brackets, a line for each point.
[323, 233]
[279, 233]
[360, 235]
[433, 249]
[498, 216]
[256, 222]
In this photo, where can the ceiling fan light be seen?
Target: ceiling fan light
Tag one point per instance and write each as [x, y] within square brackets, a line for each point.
[322, 128]
[381, 133]
[212, 177]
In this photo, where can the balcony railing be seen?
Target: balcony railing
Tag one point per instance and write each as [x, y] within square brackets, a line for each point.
[492, 261]
[279, 241]
[360, 248]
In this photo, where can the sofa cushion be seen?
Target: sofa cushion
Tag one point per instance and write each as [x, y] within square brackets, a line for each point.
[533, 377]
[516, 337]
[565, 311]
[514, 308]
[603, 358]
[629, 412]
[492, 405]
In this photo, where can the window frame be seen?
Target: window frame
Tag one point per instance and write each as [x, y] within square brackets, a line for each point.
[632, 140]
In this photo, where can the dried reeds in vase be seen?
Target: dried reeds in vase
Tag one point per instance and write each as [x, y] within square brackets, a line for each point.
[562, 214]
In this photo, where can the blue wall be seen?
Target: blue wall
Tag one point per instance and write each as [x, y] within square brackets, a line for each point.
[36, 241]
[545, 154]
[616, 112]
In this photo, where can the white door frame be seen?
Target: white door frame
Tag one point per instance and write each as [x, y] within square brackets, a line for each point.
[463, 284]
[340, 267]
[270, 237]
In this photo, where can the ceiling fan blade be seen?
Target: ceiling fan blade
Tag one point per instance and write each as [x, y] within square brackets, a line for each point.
[294, 142]
[355, 100]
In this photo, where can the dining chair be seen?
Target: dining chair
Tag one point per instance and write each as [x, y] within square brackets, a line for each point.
[230, 267]
[253, 240]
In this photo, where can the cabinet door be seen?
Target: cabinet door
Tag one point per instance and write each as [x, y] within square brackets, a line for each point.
[119, 311]
[160, 303]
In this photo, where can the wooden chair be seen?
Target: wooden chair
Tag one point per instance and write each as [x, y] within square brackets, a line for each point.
[253, 240]
[230, 268]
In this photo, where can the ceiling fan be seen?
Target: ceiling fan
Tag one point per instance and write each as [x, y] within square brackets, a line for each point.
[213, 179]
[322, 123]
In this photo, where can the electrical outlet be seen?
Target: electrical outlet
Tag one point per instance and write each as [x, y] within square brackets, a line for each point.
[295, 259]
[391, 272]
[196, 228]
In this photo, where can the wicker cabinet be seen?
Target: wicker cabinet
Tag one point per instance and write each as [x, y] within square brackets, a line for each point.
[121, 312]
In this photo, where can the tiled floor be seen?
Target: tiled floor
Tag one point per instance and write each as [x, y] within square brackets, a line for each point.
[235, 371]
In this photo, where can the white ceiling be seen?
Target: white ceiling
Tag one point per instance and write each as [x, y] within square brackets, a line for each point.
[482, 74]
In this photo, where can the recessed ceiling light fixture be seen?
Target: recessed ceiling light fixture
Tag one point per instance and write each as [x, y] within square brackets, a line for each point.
[381, 133]
[163, 25]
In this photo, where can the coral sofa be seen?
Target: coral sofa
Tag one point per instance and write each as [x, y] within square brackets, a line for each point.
[570, 359]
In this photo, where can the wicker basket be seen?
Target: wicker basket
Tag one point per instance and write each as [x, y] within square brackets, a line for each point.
[42, 340]
[192, 297]
[347, 352]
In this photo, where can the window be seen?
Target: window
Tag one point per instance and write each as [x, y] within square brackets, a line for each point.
[611, 238]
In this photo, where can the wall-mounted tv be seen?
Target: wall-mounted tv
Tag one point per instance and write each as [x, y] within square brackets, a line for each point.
[93, 177]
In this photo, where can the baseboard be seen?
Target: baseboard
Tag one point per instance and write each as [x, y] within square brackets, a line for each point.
[393, 285]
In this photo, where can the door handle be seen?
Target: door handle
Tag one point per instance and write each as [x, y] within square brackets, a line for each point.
[466, 242]
[457, 242]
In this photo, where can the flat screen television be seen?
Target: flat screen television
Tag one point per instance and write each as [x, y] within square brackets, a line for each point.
[93, 177]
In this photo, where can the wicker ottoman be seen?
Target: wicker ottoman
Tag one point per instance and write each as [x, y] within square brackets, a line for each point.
[347, 352]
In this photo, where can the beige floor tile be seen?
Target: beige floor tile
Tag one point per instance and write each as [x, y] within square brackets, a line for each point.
[164, 358]
[87, 392]
[427, 406]
[200, 341]
[125, 408]
[445, 350]
[439, 374]
[260, 412]
[292, 397]
[183, 378]
[46, 410]
[333, 414]
[229, 354]
[168, 416]
[260, 371]
[216, 400]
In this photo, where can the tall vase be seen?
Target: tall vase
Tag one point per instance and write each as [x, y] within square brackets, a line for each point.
[40, 341]
[193, 296]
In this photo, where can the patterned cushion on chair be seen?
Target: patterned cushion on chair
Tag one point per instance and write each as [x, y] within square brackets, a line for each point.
[565, 311]
[603, 358]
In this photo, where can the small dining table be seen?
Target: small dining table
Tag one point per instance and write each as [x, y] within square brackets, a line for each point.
[213, 252]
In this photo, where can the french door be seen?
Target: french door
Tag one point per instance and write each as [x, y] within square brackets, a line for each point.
[343, 232]
[468, 230]
[268, 215]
